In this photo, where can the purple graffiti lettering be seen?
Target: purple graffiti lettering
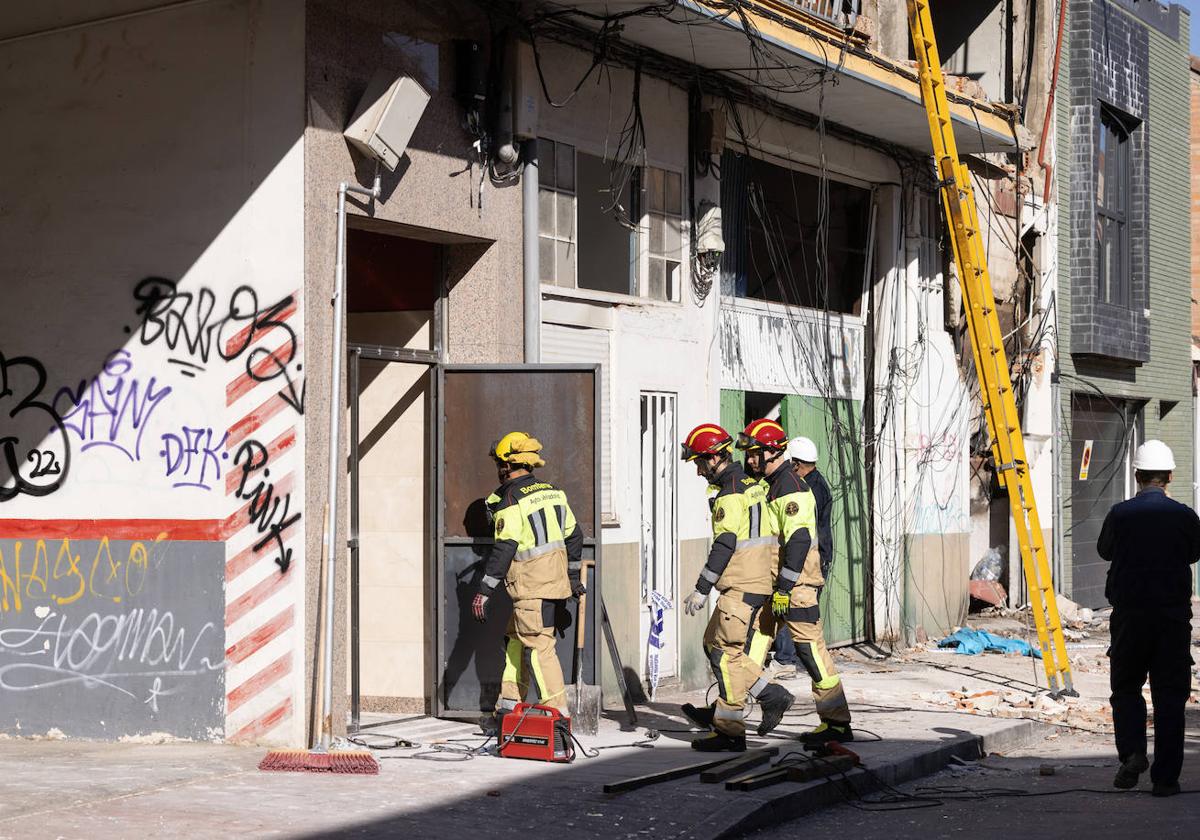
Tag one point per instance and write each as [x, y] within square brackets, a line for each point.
[113, 408]
[190, 454]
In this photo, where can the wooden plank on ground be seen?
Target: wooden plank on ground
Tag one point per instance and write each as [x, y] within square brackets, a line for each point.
[648, 779]
[806, 771]
[740, 765]
[756, 781]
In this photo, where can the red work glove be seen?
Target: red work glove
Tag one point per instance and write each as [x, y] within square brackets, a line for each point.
[479, 606]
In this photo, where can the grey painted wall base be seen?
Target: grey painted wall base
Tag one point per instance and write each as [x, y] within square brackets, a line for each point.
[101, 639]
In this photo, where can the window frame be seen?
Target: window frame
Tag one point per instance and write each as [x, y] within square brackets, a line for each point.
[545, 185]
[1114, 180]
[641, 206]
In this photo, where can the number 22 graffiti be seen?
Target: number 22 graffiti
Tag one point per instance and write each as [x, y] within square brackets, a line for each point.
[35, 455]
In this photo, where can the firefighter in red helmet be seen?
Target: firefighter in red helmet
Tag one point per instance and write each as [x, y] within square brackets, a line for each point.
[741, 566]
[792, 519]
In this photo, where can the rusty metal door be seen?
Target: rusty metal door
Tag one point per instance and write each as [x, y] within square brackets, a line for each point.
[476, 405]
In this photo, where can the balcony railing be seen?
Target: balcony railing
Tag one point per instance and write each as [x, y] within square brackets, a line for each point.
[838, 12]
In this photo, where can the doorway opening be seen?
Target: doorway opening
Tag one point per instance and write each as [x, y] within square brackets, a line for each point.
[393, 328]
[1104, 434]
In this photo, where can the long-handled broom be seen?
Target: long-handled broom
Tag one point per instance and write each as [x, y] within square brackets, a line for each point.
[320, 759]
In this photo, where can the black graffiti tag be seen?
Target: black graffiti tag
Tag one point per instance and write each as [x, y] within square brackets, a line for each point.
[35, 454]
[268, 511]
[190, 324]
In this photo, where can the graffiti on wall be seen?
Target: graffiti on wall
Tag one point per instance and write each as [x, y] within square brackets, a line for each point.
[191, 326]
[269, 509]
[35, 455]
[113, 408]
[100, 623]
[193, 457]
[203, 398]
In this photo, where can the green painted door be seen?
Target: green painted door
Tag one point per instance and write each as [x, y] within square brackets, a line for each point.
[836, 427]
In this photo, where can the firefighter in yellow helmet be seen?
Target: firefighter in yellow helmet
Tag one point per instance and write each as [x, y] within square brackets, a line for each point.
[741, 566]
[538, 557]
[792, 517]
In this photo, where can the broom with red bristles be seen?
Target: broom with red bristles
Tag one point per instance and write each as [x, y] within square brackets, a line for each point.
[321, 759]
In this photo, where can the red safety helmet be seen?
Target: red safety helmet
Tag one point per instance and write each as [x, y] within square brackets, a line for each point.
[763, 434]
[705, 439]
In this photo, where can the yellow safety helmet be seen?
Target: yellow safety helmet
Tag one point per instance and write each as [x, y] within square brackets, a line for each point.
[519, 449]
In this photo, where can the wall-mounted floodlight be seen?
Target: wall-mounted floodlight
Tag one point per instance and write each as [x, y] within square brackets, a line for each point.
[386, 117]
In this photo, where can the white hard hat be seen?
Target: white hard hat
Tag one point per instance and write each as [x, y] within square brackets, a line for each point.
[1154, 456]
[802, 449]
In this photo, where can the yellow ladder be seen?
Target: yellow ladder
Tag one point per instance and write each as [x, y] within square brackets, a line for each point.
[987, 345]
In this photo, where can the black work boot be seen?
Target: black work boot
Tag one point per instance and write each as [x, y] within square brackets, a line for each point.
[490, 724]
[774, 701]
[720, 742]
[826, 732]
[701, 717]
[1130, 769]
[1165, 789]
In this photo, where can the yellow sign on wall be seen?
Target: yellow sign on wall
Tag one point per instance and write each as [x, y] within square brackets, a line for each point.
[1086, 461]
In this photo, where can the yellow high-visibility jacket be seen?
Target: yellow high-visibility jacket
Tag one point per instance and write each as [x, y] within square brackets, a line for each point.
[792, 514]
[743, 556]
[539, 546]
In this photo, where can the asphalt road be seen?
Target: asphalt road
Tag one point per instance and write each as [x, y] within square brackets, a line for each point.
[1008, 797]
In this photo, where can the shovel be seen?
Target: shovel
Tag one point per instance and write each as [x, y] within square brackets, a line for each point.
[585, 711]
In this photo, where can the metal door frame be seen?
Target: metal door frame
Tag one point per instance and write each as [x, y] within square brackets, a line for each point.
[431, 358]
[440, 541]
[357, 353]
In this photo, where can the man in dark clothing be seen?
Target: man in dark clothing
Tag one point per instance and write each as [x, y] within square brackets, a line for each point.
[1150, 542]
[803, 453]
[805, 456]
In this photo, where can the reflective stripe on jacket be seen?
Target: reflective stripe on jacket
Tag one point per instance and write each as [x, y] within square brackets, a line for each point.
[743, 556]
[539, 545]
[792, 514]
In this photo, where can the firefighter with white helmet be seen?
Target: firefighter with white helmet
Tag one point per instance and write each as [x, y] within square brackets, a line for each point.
[803, 453]
[793, 515]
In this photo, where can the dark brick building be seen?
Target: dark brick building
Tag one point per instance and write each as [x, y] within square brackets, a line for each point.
[1124, 262]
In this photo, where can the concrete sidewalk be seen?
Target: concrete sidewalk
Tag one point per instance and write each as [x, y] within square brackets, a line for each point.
[94, 790]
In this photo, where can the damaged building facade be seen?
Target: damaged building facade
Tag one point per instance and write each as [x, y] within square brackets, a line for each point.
[699, 210]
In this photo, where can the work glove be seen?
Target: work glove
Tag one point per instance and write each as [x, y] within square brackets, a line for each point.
[695, 602]
[479, 606]
[780, 602]
[577, 588]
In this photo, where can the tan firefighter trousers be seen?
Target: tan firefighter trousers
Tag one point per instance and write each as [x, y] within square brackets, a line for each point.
[529, 654]
[804, 623]
[736, 648]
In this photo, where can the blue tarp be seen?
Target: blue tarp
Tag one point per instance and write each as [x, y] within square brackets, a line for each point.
[971, 642]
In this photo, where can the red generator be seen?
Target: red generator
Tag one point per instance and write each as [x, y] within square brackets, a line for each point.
[541, 733]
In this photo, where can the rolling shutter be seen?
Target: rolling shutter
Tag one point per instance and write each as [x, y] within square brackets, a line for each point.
[581, 345]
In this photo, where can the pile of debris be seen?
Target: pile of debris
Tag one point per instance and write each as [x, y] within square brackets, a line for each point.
[1073, 712]
[1077, 621]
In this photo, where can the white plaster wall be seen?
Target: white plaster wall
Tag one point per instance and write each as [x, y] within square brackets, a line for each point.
[166, 145]
[888, 299]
